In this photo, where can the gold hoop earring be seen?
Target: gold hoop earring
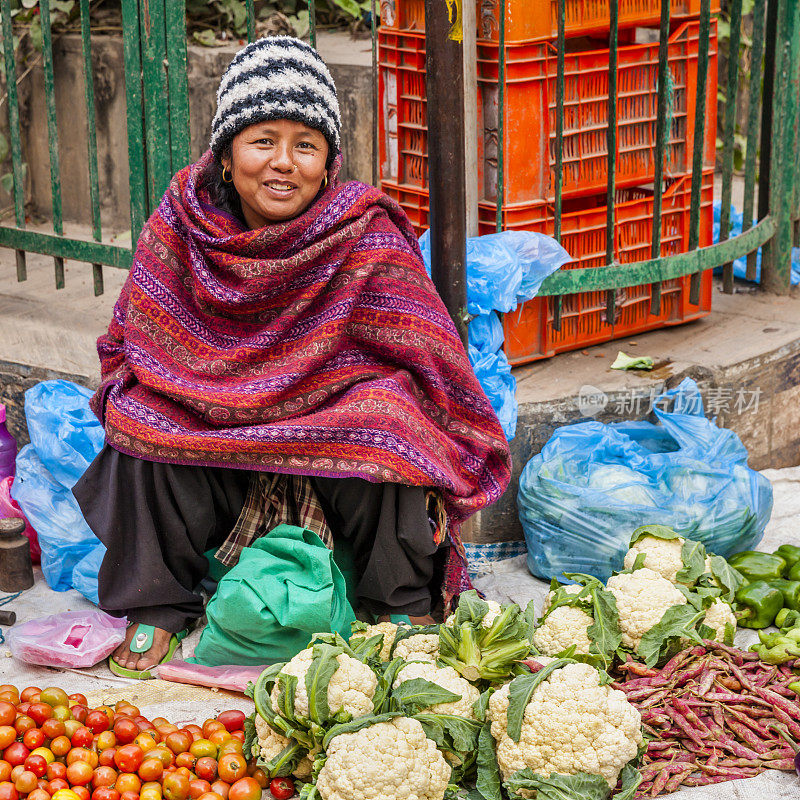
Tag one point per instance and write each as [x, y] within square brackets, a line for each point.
[229, 179]
[325, 184]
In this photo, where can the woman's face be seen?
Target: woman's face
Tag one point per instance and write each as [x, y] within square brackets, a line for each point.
[278, 167]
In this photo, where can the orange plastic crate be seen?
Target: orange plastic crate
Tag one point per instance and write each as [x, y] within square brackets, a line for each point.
[538, 19]
[529, 137]
[529, 333]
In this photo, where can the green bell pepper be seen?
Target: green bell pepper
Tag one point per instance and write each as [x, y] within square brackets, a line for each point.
[759, 604]
[755, 566]
[790, 553]
[778, 648]
[790, 591]
[787, 619]
[794, 572]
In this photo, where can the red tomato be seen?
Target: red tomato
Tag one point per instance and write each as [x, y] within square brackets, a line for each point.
[98, 721]
[238, 735]
[58, 783]
[16, 753]
[232, 720]
[39, 794]
[23, 723]
[211, 796]
[105, 740]
[128, 795]
[128, 758]
[79, 773]
[26, 782]
[104, 793]
[78, 698]
[260, 776]
[7, 713]
[5, 771]
[53, 728]
[281, 788]
[221, 788]
[39, 712]
[79, 712]
[33, 738]
[246, 789]
[28, 692]
[151, 769]
[36, 764]
[106, 757]
[7, 735]
[56, 770]
[178, 741]
[231, 767]
[206, 769]
[82, 792]
[125, 730]
[128, 782]
[8, 791]
[211, 725]
[198, 787]
[83, 754]
[60, 746]
[83, 737]
[185, 760]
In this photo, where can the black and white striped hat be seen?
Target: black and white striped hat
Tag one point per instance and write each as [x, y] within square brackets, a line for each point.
[277, 77]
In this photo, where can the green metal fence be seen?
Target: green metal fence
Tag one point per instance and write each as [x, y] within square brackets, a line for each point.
[158, 145]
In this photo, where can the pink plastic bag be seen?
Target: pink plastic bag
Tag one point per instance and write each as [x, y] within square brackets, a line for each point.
[10, 508]
[71, 639]
[227, 677]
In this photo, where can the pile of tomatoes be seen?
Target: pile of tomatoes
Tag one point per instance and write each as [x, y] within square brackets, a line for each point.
[53, 747]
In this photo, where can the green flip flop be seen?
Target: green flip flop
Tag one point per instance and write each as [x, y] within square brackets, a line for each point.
[142, 641]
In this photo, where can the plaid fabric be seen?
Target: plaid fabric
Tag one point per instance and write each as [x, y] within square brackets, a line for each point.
[274, 499]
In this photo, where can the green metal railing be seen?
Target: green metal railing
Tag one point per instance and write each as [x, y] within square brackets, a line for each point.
[155, 60]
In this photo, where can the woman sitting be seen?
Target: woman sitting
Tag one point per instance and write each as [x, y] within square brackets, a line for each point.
[279, 354]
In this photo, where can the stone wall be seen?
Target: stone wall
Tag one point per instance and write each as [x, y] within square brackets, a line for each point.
[348, 59]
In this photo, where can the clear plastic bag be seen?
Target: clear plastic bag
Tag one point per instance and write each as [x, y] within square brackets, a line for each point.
[592, 485]
[233, 678]
[71, 639]
[10, 508]
[64, 536]
[64, 431]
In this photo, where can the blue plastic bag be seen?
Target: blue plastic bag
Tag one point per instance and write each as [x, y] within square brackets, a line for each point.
[505, 269]
[592, 485]
[64, 431]
[486, 333]
[64, 536]
[84, 575]
[494, 374]
[740, 265]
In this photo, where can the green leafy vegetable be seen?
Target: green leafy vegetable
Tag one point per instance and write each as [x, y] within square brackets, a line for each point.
[693, 555]
[632, 362]
[657, 531]
[488, 782]
[520, 691]
[678, 622]
[417, 694]
[580, 786]
[726, 576]
[358, 724]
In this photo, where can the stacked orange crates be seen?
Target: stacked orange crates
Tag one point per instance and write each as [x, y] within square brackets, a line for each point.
[529, 145]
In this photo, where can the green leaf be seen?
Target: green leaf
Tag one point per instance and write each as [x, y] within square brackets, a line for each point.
[693, 555]
[317, 678]
[470, 608]
[631, 778]
[729, 635]
[529, 619]
[349, 6]
[207, 38]
[677, 623]
[604, 633]
[632, 362]
[520, 691]
[283, 763]
[657, 531]
[358, 724]
[418, 694]
[462, 733]
[580, 786]
[488, 781]
[250, 736]
[263, 688]
[726, 576]
[482, 704]
[381, 698]
[287, 689]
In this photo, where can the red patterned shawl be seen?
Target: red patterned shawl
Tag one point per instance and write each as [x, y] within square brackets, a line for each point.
[318, 346]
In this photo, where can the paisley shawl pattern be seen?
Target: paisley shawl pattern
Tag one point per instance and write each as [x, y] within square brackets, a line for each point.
[318, 346]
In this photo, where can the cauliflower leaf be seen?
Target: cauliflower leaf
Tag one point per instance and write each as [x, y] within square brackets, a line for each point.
[678, 623]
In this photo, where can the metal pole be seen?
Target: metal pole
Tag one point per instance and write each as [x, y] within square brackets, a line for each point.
[446, 171]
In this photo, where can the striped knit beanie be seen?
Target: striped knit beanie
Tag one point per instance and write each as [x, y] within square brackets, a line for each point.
[277, 77]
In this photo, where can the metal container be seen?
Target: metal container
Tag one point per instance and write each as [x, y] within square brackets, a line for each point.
[16, 570]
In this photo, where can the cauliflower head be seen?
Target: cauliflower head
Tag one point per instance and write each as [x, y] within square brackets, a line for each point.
[718, 616]
[387, 629]
[271, 743]
[386, 761]
[491, 615]
[661, 555]
[642, 598]
[350, 689]
[420, 647]
[571, 724]
[447, 678]
[562, 628]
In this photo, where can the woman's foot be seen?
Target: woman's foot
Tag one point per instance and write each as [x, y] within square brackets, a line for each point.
[142, 661]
